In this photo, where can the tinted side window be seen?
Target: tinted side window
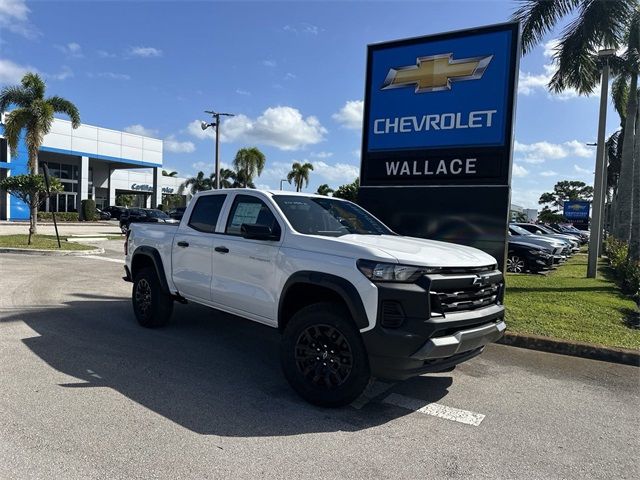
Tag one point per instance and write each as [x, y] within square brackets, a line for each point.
[251, 210]
[206, 212]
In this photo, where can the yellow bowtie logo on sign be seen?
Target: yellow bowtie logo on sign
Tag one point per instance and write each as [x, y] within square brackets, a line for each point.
[436, 73]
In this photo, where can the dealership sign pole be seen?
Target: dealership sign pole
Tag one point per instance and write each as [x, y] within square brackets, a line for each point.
[438, 135]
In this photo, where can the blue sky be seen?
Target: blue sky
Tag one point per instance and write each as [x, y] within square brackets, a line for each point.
[292, 71]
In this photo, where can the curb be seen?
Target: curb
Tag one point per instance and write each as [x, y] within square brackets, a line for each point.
[52, 253]
[575, 349]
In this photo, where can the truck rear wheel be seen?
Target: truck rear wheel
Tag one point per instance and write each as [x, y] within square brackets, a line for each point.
[323, 357]
[152, 306]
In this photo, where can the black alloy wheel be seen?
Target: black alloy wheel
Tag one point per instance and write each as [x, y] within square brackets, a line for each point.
[323, 356]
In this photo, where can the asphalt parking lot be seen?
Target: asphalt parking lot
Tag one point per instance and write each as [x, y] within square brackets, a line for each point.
[86, 393]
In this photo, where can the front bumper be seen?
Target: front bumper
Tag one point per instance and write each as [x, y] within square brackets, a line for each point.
[429, 339]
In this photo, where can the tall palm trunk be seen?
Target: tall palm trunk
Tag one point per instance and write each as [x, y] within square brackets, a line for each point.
[33, 207]
[634, 242]
[625, 184]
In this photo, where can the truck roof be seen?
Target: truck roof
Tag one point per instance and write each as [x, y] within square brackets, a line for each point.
[269, 192]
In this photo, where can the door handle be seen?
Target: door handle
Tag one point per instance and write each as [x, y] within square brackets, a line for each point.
[183, 244]
[222, 249]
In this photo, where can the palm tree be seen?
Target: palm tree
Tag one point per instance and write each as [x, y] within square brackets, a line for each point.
[196, 184]
[34, 114]
[299, 174]
[227, 178]
[249, 161]
[597, 24]
[173, 173]
[241, 181]
[324, 189]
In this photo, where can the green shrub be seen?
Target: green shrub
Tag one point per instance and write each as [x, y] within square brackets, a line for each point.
[627, 273]
[60, 216]
[89, 210]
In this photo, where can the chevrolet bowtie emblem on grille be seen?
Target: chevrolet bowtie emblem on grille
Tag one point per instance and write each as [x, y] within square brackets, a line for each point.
[434, 73]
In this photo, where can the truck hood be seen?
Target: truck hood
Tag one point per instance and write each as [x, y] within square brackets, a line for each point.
[419, 251]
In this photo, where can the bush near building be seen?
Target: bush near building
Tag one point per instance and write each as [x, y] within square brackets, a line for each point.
[88, 207]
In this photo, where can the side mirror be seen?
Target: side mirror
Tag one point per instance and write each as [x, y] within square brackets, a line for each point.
[254, 231]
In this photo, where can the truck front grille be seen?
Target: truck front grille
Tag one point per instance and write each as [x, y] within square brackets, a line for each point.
[467, 299]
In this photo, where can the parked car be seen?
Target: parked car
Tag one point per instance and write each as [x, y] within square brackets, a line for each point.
[103, 215]
[543, 231]
[523, 256]
[143, 215]
[115, 211]
[177, 213]
[582, 235]
[351, 298]
[561, 249]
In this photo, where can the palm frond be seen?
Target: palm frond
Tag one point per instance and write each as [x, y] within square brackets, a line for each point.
[538, 17]
[14, 123]
[61, 105]
[599, 24]
[14, 95]
[35, 84]
[620, 95]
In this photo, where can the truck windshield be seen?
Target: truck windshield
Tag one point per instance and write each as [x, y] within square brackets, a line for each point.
[328, 217]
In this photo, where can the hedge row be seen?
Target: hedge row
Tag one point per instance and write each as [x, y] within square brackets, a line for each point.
[627, 273]
[60, 216]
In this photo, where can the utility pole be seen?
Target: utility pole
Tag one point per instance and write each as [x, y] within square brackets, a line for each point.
[597, 208]
[216, 126]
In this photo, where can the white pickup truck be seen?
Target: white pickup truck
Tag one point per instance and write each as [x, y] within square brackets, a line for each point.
[351, 298]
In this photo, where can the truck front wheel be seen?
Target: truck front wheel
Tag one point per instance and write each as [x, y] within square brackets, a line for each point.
[152, 306]
[323, 357]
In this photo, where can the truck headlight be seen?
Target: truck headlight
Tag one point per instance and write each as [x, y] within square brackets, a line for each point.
[538, 253]
[392, 272]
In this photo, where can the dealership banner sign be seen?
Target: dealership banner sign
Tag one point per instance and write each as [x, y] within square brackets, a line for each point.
[576, 210]
[439, 109]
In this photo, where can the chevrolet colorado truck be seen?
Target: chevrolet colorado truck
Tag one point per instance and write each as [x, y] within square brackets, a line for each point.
[351, 298]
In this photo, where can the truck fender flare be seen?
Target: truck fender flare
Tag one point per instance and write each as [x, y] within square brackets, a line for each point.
[344, 288]
[152, 254]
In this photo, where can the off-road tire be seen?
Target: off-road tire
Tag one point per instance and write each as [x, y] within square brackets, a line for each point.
[152, 306]
[323, 357]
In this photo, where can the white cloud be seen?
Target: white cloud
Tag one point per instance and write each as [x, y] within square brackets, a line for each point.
[548, 173]
[528, 198]
[269, 63]
[11, 72]
[539, 152]
[583, 171]
[63, 74]
[307, 28]
[138, 129]
[290, 76]
[145, 52]
[550, 47]
[519, 171]
[350, 115]
[281, 127]
[337, 172]
[72, 49]
[239, 91]
[356, 153]
[322, 154]
[14, 17]
[110, 75]
[172, 145]
[106, 54]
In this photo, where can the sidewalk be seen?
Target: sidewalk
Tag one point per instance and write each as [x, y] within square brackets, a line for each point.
[64, 228]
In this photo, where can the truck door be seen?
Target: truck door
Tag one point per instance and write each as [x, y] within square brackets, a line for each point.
[244, 270]
[192, 249]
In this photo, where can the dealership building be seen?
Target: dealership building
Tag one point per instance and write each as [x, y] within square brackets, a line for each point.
[91, 163]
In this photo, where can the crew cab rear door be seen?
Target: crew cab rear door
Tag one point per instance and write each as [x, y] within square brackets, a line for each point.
[244, 270]
[192, 249]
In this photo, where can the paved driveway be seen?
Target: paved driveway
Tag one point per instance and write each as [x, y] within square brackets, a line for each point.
[86, 393]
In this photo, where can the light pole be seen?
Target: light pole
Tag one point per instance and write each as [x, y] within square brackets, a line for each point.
[597, 210]
[216, 125]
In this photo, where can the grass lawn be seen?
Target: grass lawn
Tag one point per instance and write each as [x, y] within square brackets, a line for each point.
[39, 242]
[565, 304]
